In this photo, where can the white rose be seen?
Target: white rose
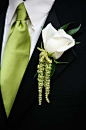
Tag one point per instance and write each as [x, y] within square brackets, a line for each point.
[56, 41]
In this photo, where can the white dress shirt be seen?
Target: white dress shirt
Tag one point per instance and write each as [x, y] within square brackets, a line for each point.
[37, 11]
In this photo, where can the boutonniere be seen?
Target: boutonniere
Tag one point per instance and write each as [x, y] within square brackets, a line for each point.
[56, 42]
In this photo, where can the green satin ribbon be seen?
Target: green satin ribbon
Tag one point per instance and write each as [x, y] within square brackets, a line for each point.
[15, 59]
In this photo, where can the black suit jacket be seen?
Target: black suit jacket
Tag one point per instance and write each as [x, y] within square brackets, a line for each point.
[67, 108]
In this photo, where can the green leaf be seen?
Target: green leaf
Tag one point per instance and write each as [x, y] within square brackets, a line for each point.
[53, 69]
[66, 25]
[77, 42]
[42, 27]
[73, 31]
[35, 75]
[50, 54]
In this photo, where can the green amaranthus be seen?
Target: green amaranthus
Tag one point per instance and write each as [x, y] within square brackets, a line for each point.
[44, 71]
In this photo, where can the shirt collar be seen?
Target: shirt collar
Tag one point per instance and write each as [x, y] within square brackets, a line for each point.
[36, 9]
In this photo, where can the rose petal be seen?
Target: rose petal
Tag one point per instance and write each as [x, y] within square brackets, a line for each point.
[57, 55]
[57, 44]
[47, 33]
[62, 33]
[64, 48]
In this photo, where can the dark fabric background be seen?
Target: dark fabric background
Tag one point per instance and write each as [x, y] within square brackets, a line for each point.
[67, 109]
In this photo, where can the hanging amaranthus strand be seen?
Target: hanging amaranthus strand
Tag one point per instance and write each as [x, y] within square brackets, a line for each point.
[47, 79]
[44, 70]
[40, 77]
